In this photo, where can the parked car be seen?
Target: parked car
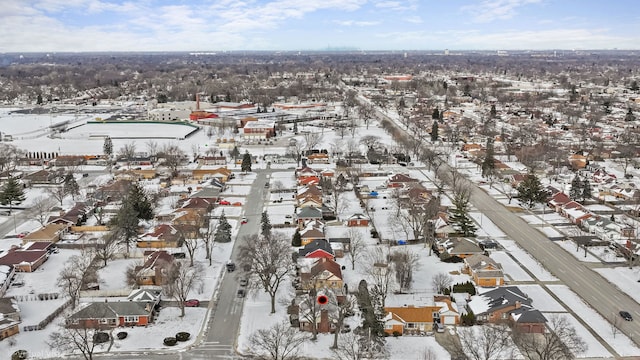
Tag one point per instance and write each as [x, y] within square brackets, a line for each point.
[243, 282]
[237, 203]
[241, 293]
[231, 266]
[224, 202]
[244, 220]
[625, 315]
[192, 303]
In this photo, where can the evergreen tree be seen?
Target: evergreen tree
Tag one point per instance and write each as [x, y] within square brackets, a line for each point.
[489, 163]
[223, 231]
[297, 239]
[234, 153]
[436, 114]
[530, 191]
[107, 147]
[227, 97]
[246, 162]
[434, 131]
[39, 99]
[575, 192]
[493, 113]
[11, 192]
[586, 189]
[70, 185]
[460, 215]
[629, 116]
[265, 225]
[162, 98]
[140, 202]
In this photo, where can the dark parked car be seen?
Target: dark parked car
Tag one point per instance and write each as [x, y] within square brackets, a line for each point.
[243, 282]
[625, 315]
[241, 293]
[231, 266]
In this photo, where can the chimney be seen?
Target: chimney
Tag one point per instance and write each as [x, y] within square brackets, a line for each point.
[518, 304]
[323, 327]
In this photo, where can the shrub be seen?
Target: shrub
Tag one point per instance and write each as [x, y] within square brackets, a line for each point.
[19, 355]
[101, 337]
[122, 335]
[396, 333]
[170, 341]
[183, 336]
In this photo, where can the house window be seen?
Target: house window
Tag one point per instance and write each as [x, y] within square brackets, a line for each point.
[411, 325]
[505, 315]
[435, 315]
[388, 326]
[131, 319]
[102, 321]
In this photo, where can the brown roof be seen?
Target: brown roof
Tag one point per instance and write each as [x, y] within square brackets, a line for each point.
[15, 257]
[412, 313]
[328, 265]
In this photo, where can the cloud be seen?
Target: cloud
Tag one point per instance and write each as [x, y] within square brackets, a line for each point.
[491, 10]
[356, 23]
[413, 19]
[397, 5]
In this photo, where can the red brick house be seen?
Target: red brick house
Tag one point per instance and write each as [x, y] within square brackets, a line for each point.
[108, 315]
[358, 220]
[24, 260]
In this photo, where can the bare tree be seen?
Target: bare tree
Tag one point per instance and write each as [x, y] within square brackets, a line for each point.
[152, 148]
[312, 139]
[173, 157]
[279, 342]
[560, 342]
[128, 152]
[78, 272]
[58, 193]
[107, 247]
[344, 308]
[190, 232]
[380, 272]
[357, 246]
[270, 261]
[405, 262]
[441, 281]
[40, 209]
[349, 348]
[180, 280]
[486, 342]
[132, 274]
[71, 339]
[427, 354]
[8, 155]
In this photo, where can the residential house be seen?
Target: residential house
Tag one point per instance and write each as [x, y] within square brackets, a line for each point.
[311, 233]
[460, 247]
[152, 271]
[358, 219]
[305, 311]
[306, 174]
[308, 213]
[76, 216]
[43, 177]
[317, 249]
[9, 317]
[212, 160]
[510, 305]
[147, 295]
[114, 191]
[345, 244]
[410, 320]
[448, 313]
[203, 173]
[399, 180]
[484, 270]
[23, 260]
[109, 315]
[48, 233]
[575, 212]
[325, 273]
[162, 236]
[558, 200]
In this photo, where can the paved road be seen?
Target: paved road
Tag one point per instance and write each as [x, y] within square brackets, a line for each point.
[218, 339]
[603, 296]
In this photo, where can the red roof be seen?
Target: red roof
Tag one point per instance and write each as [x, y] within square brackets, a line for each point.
[17, 257]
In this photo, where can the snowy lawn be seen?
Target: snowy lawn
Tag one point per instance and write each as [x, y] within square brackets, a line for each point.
[619, 342]
[624, 278]
[549, 231]
[579, 254]
[487, 227]
[511, 268]
[542, 300]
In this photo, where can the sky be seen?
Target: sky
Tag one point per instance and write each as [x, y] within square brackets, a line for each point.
[284, 25]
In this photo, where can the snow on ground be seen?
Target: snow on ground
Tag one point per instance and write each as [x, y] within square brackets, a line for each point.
[578, 253]
[549, 231]
[113, 276]
[624, 278]
[487, 227]
[594, 347]
[511, 268]
[129, 130]
[412, 347]
[619, 342]
[542, 300]
[532, 219]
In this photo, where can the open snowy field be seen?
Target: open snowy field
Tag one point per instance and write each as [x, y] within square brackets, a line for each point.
[129, 131]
